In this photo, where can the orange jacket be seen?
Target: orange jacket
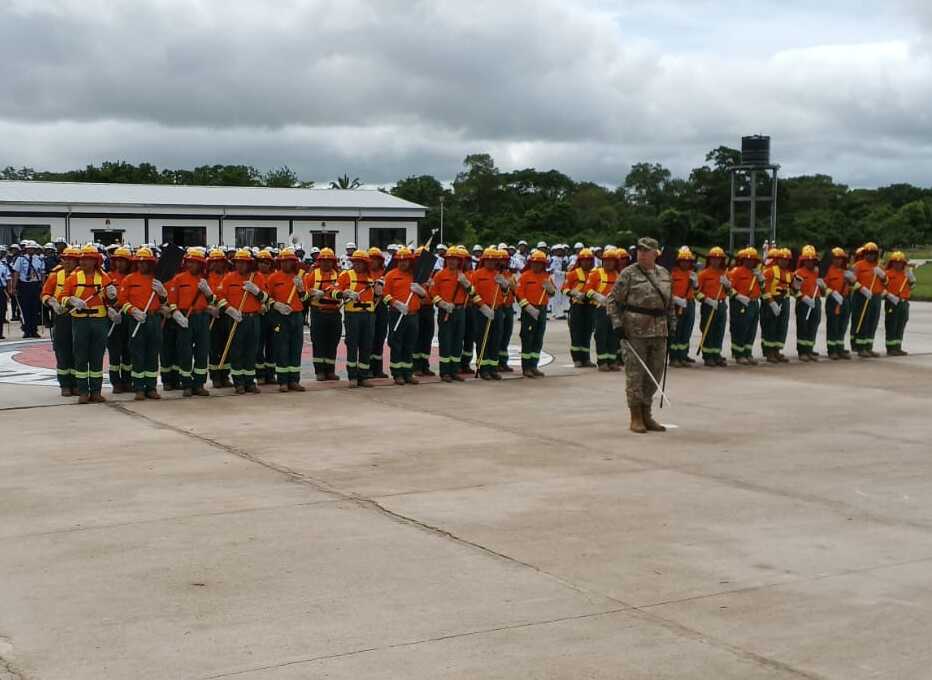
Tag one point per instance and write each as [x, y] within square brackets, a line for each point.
[743, 282]
[809, 285]
[509, 300]
[136, 291]
[576, 280]
[600, 281]
[317, 279]
[776, 282]
[487, 289]
[682, 284]
[898, 284]
[710, 284]
[835, 280]
[864, 271]
[398, 287]
[282, 289]
[184, 295]
[531, 288]
[90, 289]
[231, 292]
[446, 287]
[54, 285]
[360, 283]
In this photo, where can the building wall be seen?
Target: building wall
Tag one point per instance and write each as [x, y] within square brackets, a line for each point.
[38, 228]
[82, 229]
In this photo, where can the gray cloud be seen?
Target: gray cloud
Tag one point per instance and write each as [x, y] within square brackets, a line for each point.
[386, 88]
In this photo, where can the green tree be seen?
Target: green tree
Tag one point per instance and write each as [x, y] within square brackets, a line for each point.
[646, 186]
[344, 182]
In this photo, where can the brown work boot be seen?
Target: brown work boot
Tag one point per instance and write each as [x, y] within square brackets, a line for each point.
[187, 392]
[528, 373]
[118, 389]
[66, 391]
[614, 368]
[446, 378]
[296, 387]
[365, 382]
[458, 377]
[97, 398]
[637, 420]
[140, 396]
[253, 388]
[803, 356]
[411, 380]
[398, 380]
[604, 368]
[539, 373]
[152, 394]
[283, 388]
[649, 422]
[239, 389]
[84, 399]
[201, 392]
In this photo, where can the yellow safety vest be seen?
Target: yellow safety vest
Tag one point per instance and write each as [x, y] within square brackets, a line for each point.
[86, 290]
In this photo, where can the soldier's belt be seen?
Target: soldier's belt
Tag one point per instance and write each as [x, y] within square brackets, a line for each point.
[360, 308]
[645, 311]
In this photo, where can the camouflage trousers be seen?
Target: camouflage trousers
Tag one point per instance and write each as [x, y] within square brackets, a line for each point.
[639, 388]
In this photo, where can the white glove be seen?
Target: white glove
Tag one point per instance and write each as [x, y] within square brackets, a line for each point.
[55, 305]
[299, 283]
[838, 297]
[463, 280]
[726, 283]
[743, 299]
[713, 303]
[317, 293]
[251, 288]
[533, 312]
[575, 294]
[850, 276]
[137, 314]
[351, 294]
[550, 288]
[111, 291]
[486, 311]
[808, 301]
[679, 302]
[446, 306]
[501, 281]
[775, 308]
[910, 276]
[400, 306]
[694, 279]
[204, 287]
[599, 298]
[233, 313]
[282, 308]
[880, 273]
[114, 315]
[418, 289]
[213, 311]
[797, 282]
[821, 284]
[180, 319]
[866, 292]
[77, 302]
[761, 279]
[893, 299]
[159, 289]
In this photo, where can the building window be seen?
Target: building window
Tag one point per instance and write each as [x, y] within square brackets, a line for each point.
[258, 237]
[381, 237]
[14, 233]
[107, 236]
[185, 237]
[324, 239]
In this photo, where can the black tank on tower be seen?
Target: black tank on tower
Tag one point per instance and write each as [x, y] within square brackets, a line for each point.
[753, 193]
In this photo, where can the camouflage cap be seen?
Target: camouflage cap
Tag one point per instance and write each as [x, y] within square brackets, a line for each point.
[648, 243]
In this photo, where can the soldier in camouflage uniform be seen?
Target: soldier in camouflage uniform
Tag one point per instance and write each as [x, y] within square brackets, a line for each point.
[641, 310]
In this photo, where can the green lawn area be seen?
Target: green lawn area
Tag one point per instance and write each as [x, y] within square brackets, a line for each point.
[923, 289]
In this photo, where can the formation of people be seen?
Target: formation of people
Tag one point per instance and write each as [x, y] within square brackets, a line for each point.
[235, 317]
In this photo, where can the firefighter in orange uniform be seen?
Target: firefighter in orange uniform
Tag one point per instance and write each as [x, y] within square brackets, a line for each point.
[775, 306]
[900, 282]
[599, 285]
[62, 342]
[837, 305]
[868, 291]
[508, 310]
[325, 314]
[189, 294]
[488, 302]
[356, 289]
[745, 305]
[403, 298]
[286, 317]
[121, 380]
[809, 288]
[265, 351]
[424, 343]
[533, 292]
[219, 324]
[581, 309]
[685, 280]
[241, 295]
[380, 316]
[141, 296]
[451, 290]
[85, 295]
[714, 287]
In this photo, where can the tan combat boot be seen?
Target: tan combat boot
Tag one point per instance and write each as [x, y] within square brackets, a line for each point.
[649, 422]
[637, 420]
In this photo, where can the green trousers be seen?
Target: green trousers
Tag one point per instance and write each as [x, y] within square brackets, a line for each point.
[863, 339]
[607, 345]
[325, 337]
[192, 350]
[121, 366]
[144, 352]
[379, 335]
[712, 347]
[219, 329]
[288, 341]
[90, 342]
[836, 324]
[451, 329]
[685, 322]
[488, 360]
[581, 323]
[168, 357]
[508, 328]
[743, 326]
[532, 337]
[469, 337]
[265, 349]
[807, 326]
[401, 342]
[243, 351]
[63, 345]
[895, 318]
[359, 327]
[425, 338]
[773, 327]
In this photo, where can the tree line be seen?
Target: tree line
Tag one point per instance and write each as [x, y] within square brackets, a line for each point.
[484, 204]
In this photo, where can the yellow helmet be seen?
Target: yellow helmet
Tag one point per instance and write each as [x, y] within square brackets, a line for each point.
[71, 252]
[144, 254]
[585, 254]
[808, 253]
[897, 256]
[326, 254]
[243, 255]
[749, 253]
[121, 252]
[197, 254]
[265, 254]
[288, 254]
[404, 254]
[376, 252]
[839, 252]
[780, 253]
[489, 254]
[611, 254]
[685, 253]
[716, 252]
[359, 256]
[538, 256]
[216, 254]
[870, 246]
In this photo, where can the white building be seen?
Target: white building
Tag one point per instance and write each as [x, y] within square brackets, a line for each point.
[198, 215]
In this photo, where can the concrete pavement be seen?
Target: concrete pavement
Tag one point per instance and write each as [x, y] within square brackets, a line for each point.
[513, 530]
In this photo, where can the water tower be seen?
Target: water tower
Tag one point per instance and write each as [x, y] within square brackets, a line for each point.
[753, 193]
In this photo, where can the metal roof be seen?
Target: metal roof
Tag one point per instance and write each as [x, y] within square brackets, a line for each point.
[152, 195]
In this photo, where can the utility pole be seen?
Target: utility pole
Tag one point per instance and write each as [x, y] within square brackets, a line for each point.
[441, 219]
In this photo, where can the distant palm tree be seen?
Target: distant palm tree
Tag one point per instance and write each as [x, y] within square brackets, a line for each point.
[345, 182]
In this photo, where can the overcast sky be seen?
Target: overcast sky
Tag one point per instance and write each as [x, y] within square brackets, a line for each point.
[383, 89]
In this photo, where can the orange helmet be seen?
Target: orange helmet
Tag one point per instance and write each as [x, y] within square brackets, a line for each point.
[326, 254]
[144, 254]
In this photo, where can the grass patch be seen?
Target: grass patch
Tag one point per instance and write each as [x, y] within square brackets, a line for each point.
[923, 289]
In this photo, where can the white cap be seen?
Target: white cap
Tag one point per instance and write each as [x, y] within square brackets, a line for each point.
[441, 246]
[541, 244]
[392, 247]
[609, 245]
[502, 245]
[351, 245]
[522, 243]
[579, 245]
[477, 247]
[315, 250]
